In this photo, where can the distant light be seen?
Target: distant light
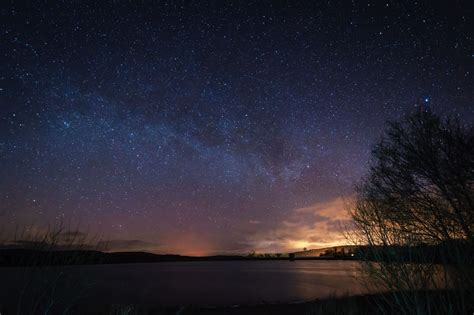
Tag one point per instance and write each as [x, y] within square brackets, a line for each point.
[427, 99]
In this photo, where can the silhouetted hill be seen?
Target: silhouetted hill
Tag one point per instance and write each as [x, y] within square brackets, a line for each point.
[30, 257]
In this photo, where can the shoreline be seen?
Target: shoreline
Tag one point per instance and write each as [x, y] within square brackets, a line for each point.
[12, 258]
[351, 304]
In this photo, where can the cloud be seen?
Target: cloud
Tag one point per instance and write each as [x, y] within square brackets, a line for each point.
[316, 226]
[37, 238]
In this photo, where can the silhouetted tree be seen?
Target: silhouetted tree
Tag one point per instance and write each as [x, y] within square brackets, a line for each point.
[420, 183]
[419, 191]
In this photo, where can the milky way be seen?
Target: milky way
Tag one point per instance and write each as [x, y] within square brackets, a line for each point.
[213, 128]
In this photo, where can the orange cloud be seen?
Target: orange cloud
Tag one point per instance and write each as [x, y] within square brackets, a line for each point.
[316, 226]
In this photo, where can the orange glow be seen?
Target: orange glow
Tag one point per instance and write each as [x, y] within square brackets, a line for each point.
[320, 225]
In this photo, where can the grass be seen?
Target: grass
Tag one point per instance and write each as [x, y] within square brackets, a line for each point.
[43, 282]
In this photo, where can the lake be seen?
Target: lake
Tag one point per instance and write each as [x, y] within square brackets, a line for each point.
[206, 282]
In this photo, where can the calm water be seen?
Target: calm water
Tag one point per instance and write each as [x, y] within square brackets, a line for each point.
[209, 283]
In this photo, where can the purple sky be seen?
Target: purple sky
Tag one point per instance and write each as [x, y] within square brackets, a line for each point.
[205, 128]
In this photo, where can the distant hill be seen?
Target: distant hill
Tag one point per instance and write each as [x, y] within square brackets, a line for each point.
[12, 257]
[30, 257]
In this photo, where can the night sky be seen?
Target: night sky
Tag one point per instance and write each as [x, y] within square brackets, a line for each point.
[223, 127]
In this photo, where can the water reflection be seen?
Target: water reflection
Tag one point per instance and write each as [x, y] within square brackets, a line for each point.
[213, 283]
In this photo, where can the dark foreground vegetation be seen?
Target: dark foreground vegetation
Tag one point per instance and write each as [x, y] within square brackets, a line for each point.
[431, 302]
[416, 204]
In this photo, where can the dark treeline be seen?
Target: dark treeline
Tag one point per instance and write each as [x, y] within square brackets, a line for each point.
[32, 257]
[438, 254]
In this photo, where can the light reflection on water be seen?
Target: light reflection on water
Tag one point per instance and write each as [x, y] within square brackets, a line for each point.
[213, 282]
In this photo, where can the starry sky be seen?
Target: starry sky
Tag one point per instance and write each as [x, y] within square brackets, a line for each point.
[197, 127]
